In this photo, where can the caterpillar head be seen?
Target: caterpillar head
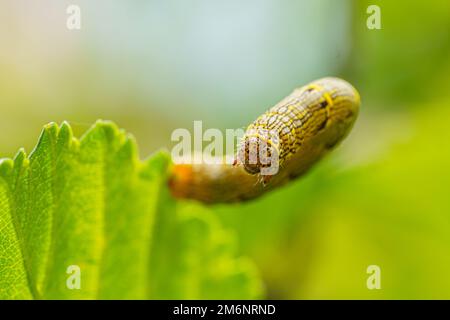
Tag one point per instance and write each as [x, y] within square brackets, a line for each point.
[258, 151]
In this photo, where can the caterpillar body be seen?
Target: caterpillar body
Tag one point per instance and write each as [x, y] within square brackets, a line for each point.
[309, 123]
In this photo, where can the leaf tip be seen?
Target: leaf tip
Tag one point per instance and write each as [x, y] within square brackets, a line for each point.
[65, 133]
[20, 157]
[6, 165]
[157, 162]
[110, 129]
[51, 127]
[50, 130]
[65, 125]
[105, 124]
[128, 148]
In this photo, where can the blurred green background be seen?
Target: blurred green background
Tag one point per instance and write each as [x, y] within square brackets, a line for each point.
[153, 66]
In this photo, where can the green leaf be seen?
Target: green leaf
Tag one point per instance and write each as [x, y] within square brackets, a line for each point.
[91, 203]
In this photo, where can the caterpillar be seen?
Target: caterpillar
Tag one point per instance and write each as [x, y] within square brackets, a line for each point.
[308, 123]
